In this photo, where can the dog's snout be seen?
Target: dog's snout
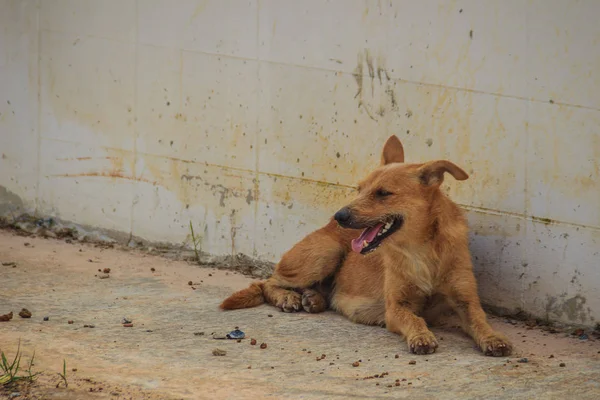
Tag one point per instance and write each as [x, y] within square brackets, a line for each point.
[343, 215]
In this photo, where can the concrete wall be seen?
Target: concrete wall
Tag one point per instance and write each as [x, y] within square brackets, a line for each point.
[253, 119]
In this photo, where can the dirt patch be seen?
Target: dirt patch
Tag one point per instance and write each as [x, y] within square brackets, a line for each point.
[54, 228]
[46, 386]
[167, 353]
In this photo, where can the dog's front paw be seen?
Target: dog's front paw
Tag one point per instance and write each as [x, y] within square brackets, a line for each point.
[496, 345]
[290, 302]
[313, 301]
[422, 343]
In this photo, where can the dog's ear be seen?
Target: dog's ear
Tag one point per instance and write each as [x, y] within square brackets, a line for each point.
[432, 173]
[393, 152]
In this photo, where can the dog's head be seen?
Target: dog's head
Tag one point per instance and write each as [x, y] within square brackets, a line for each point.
[394, 201]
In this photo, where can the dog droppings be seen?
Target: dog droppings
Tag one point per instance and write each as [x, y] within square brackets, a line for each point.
[70, 322]
[253, 342]
[106, 270]
[355, 364]
[153, 269]
[412, 362]
[6, 317]
[25, 313]
[128, 325]
[263, 346]
[562, 365]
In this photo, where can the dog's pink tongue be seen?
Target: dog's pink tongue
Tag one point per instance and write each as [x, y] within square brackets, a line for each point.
[368, 235]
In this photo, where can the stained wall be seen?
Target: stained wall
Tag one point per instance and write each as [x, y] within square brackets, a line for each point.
[254, 119]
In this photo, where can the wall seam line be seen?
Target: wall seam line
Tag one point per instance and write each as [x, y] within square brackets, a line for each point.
[39, 110]
[135, 119]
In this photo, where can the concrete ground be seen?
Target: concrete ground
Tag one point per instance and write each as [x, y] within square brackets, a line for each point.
[167, 354]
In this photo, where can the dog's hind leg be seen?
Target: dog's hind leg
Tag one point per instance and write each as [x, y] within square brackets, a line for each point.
[309, 262]
[314, 300]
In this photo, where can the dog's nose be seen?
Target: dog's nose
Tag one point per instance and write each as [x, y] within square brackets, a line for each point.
[343, 215]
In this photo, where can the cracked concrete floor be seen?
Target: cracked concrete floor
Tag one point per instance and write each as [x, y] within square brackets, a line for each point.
[164, 356]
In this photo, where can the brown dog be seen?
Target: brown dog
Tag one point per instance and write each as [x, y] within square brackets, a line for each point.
[384, 257]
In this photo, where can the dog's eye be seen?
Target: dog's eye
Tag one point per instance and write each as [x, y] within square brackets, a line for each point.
[382, 193]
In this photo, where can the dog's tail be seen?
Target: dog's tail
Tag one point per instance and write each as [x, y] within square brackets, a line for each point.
[250, 297]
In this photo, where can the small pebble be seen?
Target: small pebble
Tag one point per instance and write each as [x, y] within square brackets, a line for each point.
[219, 352]
[263, 346]
[397, 356]
[562, 365]
[198, 333]
[25, 313]
[412, 362]
[70, 322]
[89, 326]
[153, 269]
[104, 276]
[253, 342]
[355, 364]
[106, 270]
[190, 283]
[523, 360]
[270, 315]
[46, 318]
[128, 325]
[126, 320]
